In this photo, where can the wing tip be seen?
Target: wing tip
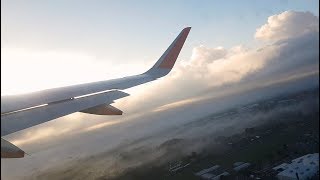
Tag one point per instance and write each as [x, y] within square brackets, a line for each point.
[166, 62]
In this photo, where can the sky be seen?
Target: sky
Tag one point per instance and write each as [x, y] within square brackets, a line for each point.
[110, 36]
[258, 48]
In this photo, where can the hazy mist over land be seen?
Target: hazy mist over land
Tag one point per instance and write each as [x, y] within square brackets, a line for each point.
[120, 147]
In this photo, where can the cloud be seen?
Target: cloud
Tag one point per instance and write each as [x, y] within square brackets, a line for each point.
[203, 55]
[210, 68]
[288, 24]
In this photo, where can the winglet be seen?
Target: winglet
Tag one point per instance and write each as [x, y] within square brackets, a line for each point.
[165, 63]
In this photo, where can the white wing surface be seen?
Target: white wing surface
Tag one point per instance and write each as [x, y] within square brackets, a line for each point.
[26, 110]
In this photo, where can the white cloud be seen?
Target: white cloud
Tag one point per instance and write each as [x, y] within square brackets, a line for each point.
[202, 55]
[211, 69]
[288, 24]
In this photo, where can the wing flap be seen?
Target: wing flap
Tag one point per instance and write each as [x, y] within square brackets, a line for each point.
[8, 150]
[18, 102]
[103, 110]
[24, 119]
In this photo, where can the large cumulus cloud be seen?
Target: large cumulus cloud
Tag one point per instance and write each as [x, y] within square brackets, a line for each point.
[288, 24]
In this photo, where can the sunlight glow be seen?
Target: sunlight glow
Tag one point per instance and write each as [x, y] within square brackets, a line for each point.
[24, 70]
[101, 125]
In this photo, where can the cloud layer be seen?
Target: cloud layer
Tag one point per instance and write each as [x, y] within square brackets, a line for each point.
[208, 68]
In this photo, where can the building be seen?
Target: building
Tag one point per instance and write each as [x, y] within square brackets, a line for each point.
[176, 166]
[204, 171]
[281, 167]
[240, 166]
[304, 167]
[212, 173]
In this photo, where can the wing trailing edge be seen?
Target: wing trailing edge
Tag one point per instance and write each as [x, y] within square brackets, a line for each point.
[103, 110]
[14, 122]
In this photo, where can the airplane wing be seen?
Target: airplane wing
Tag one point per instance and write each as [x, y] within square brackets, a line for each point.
[26, 110]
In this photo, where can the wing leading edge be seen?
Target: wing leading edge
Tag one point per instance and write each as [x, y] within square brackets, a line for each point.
[161, 68]
[23, 111]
